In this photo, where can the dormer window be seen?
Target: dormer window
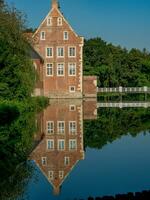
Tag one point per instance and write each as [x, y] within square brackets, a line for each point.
[59, 21]
[42, 36]
[44, 161]
[61, 174]
[49, 21]
[66, 35]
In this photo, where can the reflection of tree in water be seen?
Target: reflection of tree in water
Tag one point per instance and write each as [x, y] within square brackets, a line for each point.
[14, 186]
[15, 144]
[112, 123]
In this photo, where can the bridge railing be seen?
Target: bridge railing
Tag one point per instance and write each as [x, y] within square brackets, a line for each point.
[123, 104]
[120, 89]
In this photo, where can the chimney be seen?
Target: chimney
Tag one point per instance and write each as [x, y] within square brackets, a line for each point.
[55, 4]
[56, 190]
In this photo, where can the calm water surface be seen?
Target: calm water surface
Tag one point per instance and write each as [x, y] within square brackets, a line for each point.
[119, 167]
[81, 150]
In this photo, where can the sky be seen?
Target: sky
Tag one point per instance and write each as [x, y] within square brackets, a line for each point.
[120, 22]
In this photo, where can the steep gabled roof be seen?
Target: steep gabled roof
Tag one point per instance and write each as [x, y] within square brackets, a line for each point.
[61, 16]
[39, 151]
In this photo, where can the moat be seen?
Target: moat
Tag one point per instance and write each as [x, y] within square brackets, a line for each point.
[81, 150]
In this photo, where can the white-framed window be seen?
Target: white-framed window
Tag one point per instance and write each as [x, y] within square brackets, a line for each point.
[61, 174]
[50, 127]
[44, 161]
[66, 160]
[60, 52]
[61, 127]
[50, 144]
[61, 144]
[72, 89]
[66, 35]
[72, 69]
[49, 21]
[60, 69]
[73, 144]
[72, 127]
[72, 108]
[72, 52]
[50, 175]
[59, 21]
[49, 52]
[42, 35]
[49, 69]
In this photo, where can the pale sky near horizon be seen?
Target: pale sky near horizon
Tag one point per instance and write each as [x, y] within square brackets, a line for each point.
[121, 22]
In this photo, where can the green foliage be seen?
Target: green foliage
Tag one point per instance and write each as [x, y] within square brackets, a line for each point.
[115, 66]
[113, 123]
[17, 127]
[8, 113]
[40, 103]
[14, 186]
[17, 75]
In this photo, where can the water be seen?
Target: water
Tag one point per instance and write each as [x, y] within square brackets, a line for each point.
[81, 150]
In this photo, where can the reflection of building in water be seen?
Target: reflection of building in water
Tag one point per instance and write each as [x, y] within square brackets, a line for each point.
[59, 144]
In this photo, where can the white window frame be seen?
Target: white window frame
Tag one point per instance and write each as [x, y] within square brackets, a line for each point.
[47, 56]
[70, 66]
[50, 130]
[60, 56]
[51, 175]
[50, 66]
[72, 106]
[61, 174]
[49, 21]
[41, 35]
[44, 161]
[58, 65]
[72, 129]
[66, 35]
[70, 145]
[66, 161]
[59, 21]
[52, 142]
[61, 130]
[59, 145]
[70, 90]
[70, 56]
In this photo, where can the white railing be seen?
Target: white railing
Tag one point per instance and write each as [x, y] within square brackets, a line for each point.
[123, 105]
[120, 89]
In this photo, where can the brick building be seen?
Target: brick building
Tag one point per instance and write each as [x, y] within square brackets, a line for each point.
[59, 145]
[61, 67]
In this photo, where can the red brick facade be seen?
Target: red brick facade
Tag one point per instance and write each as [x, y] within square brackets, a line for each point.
[62, 51]
[90, 86]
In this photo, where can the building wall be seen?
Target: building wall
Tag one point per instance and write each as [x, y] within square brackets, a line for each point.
[90, 109]
[90, 86]
[56, 86]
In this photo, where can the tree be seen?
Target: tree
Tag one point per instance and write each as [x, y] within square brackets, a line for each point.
[115, 66]
[107, 128]
[16, 69]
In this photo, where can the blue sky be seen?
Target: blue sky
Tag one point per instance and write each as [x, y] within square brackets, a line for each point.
[121, 22]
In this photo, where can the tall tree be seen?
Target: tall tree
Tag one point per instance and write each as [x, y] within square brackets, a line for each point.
[115, 66]
[16, 69]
